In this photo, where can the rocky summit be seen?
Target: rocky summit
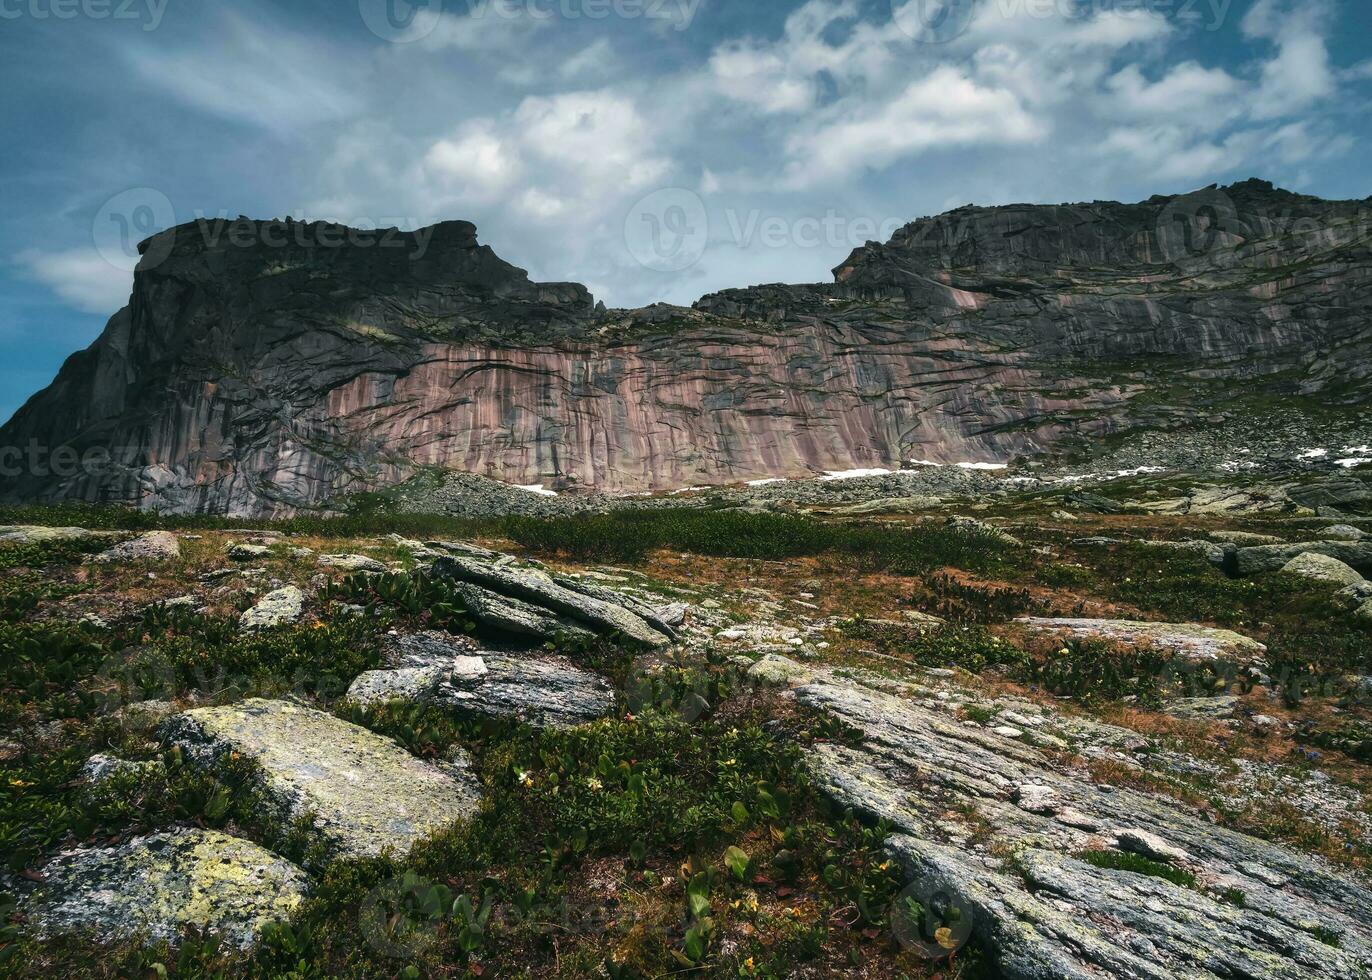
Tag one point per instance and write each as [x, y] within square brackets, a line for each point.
[267, 367]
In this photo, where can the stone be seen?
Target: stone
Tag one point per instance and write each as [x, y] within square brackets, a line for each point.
[1364, 612]
[1037, 909]
[1203, 709]
[155, 887]
[1343, 532]
[1322, 568]
[1185, 640]
[1271, 558]
[892, 505]
[648, 613]
[34, 534]
[153, 546]
[248, 552]
[495, 613]
[1243, 538]
[351, 563]
[537, 588]
[280, 608]
[778, 671]
[1211, 552]
[1149, 845]
[364, 793]
[101, 768]
[545, 692]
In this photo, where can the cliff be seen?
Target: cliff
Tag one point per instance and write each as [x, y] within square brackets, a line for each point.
[265, 367]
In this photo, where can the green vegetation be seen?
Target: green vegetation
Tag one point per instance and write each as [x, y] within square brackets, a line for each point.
[1139, 865]
[628, 536]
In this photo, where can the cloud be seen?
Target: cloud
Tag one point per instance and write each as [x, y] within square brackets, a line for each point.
[258, 74]
[81, 278]
[1300, 74]
[1186, 89]
[476, 162]
[597, 58]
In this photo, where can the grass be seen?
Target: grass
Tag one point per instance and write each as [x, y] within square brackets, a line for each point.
[630, 536]
[1139, 865]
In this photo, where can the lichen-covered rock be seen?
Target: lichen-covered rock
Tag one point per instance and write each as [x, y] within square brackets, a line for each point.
[1322, 568]
[153, 546]
[1213, 553]
[351, 563]
[1343, 532]
[892, 505]
[496, 613]
[1184, 640]
[971, 525]
[1040, 911]
[779, 671]
[538, 588]
[364, 793]
[539, 691]
[247, 552]
[280, 608]
[157, 886]
[1270, 558]
[34, 534]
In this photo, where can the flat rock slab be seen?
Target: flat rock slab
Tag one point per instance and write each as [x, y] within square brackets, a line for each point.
[1182, 639]
[351, 563]
[546, 692]
[34, 534]
[535, 587]
[1045, 913]
[153, 546]
[1270, 558]
[364, 792]
[155, 887]
[280, 608]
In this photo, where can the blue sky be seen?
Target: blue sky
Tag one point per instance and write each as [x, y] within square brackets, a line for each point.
[653, 149]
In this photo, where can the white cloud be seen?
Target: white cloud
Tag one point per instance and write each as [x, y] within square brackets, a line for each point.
[598, 139]
[944, 109]
[597, 59]
[1300, 74]
[1186, 89]
[80, 277]
[477, 162]
[258, 74]
[1171, 152]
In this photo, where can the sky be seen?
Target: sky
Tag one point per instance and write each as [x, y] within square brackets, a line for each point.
[656, 150]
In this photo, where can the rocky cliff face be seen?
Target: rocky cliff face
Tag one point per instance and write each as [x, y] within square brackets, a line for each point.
[264, 367]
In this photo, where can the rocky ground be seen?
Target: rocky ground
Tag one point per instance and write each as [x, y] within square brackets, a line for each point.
[939, 725]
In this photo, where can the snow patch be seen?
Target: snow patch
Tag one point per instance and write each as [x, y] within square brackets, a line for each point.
[983, 466]
[767, 482]
[1313, 454]
[853, 474]
[537, 488]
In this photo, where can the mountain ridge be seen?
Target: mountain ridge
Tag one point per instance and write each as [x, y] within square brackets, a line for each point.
[264, 367]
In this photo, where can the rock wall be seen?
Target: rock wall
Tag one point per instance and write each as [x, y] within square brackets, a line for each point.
[264, 367]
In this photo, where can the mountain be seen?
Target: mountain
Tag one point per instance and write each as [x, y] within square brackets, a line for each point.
[262, 367]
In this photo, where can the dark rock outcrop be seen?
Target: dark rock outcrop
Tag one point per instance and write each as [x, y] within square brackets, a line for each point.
[262, 367]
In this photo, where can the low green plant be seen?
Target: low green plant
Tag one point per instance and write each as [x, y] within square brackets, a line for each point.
[1139, 865]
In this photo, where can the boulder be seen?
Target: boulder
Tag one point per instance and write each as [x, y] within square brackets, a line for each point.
[1243, 538]
[351, 563]
[1184, 640]
[1322, 568]
[153, 546]
[154, 887]
[545, 692]
[495, 613]
[1343, 532]
[280, 608]
[1213, 553]
[248, 552]
[364, 793]
[538, 588]
[1270, 558]
[970, 525]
